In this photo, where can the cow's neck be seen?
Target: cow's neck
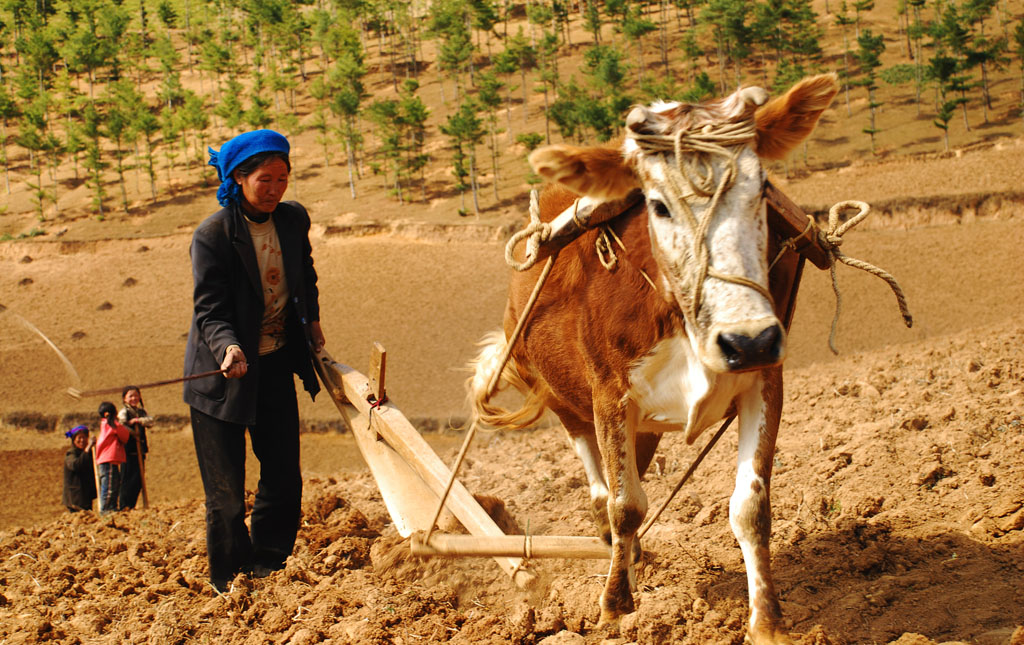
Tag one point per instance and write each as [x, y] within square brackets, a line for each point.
[675, 391]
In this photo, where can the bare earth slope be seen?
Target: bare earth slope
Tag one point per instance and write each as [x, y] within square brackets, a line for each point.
[898, 500]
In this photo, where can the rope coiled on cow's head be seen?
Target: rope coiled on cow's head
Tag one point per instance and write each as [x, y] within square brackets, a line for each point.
[693, 173]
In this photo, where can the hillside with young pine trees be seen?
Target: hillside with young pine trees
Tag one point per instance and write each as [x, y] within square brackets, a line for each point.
[427, 110]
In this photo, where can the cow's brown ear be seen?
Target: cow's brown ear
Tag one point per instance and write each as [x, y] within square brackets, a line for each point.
[785, 121]
[601, 173]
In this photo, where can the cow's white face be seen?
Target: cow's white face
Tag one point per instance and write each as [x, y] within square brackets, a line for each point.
[711, 250]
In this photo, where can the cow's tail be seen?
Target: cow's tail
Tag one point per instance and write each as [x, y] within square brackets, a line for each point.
[485, 411]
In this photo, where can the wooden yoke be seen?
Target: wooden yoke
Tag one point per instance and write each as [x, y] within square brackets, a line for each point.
[785, 219]
[583, 214]
[786, 222]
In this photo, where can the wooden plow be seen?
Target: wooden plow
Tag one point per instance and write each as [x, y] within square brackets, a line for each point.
[412, 478]
[410, 475]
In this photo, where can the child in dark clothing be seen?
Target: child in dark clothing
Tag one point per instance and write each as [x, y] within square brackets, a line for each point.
[79, 479]
[134, 417]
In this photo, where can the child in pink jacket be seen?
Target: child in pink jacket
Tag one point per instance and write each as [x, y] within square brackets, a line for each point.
[110, 456]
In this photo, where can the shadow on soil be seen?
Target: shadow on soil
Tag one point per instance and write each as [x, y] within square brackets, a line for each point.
[861, 573]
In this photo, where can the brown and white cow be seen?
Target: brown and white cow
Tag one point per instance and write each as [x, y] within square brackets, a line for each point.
[619, 361]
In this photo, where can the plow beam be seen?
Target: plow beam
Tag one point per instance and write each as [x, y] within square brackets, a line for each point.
[520, 546]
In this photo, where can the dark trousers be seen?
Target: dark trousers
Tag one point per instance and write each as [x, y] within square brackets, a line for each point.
[131, 481]
[220, 448]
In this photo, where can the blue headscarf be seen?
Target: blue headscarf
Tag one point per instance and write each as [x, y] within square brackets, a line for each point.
[238, 150]
[73, 431]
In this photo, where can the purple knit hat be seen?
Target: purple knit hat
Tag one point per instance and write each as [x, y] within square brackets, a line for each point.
[70, 434]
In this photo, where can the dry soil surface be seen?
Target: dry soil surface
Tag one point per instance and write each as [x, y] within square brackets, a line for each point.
[898, 495]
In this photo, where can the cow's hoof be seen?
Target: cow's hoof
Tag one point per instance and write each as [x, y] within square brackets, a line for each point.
[613, 611]
[767, 636]
[610, 623]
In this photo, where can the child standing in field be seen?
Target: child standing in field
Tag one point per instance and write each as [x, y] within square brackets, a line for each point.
[110, 456]
[79, 479]
[134, 417]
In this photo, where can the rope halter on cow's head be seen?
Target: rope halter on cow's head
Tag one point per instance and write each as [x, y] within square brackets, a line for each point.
[689, 139]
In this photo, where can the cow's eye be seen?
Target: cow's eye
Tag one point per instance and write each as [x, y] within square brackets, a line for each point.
[660, 209]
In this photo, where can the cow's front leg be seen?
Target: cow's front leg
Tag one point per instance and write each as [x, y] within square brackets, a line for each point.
[616, 422]
[750, 510]
[584, 441]
[585, 444]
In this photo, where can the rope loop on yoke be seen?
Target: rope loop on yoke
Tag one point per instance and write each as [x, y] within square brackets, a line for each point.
[604, 241]
[836, 230]
[831, 240]
[535, 234]
[790, 244]
[605, 251]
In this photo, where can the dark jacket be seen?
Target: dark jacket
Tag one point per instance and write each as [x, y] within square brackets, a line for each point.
[228, 308]
[131, 447]
[79, 480]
